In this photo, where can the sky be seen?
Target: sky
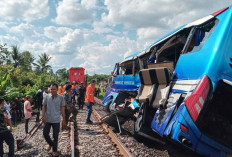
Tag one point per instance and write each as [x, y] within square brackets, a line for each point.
[94, 34]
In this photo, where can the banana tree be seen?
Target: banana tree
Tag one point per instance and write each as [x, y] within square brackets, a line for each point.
[5, 82]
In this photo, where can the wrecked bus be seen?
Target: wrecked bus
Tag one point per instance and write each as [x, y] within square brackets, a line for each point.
[123, 83]
[185, 94]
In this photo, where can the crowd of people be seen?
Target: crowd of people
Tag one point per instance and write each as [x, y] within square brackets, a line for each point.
[55, 102]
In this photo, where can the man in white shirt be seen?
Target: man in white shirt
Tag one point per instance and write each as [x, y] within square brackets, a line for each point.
[45, 93]
[7, 105]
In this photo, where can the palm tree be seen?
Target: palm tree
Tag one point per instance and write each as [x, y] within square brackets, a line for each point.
[16, 56]
[42, 64]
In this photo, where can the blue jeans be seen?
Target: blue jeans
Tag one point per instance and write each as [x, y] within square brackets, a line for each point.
[89, 111]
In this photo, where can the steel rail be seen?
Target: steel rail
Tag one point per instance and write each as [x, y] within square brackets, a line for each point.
[72, 139]
[123, 150]
[31, 133]
[34, 130]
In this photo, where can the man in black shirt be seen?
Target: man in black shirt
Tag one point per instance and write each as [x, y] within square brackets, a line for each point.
[81, 95]
[39, 99]
[18, 109]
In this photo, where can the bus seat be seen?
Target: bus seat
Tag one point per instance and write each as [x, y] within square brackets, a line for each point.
[146, 89]
[163, 79]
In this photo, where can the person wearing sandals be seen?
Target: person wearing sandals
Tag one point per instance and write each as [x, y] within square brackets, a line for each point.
[53, 107]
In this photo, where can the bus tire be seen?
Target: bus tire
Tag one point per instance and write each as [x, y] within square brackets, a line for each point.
[139, 123]
[107, 108]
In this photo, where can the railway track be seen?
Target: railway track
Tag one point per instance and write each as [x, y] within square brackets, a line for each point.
[144, 147]
[96, 139]
[123, 150]
[65, 143]
[20, 142]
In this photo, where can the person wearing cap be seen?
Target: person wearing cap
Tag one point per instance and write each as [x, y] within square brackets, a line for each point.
[61, 89]
[81, 95]
[5, 134]
[89, 100]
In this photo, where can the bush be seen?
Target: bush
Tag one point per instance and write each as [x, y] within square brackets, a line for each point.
[12, 93]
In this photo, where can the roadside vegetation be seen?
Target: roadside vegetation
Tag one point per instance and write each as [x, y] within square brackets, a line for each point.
[21, 74]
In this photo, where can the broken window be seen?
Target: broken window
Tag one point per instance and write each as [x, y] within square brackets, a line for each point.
[188, 40]
[167, 51]
[130, 68]
[201, 35]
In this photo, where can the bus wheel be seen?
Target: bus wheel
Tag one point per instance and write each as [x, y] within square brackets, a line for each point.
[108, 105]
[139, 122]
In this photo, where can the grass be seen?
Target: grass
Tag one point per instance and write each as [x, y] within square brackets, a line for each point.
[101, 94]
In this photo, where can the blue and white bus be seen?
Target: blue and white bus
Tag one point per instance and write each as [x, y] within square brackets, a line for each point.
[185, 93]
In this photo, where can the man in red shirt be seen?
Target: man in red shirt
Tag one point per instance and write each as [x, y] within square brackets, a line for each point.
[89, 100]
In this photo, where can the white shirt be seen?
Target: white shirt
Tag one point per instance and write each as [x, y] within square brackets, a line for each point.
[7, 107]
[44, 95]
[8, 114]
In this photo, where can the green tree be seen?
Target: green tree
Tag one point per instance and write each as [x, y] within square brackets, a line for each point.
[16, 57]
[97, 77]
[62, 74]
[42, 64]
[28, 60]
[5, 81]
[4, 55]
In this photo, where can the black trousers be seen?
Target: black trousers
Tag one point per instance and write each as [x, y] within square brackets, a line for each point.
[9, 139]
[19, 114]
[37, 115]
[56, 130]
[67, 114]
[80, 101]
[39, 106]
[26, 125]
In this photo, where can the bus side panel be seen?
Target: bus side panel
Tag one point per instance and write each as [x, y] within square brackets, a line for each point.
[213, 58]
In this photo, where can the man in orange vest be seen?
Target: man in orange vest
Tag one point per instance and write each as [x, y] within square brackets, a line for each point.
[89, 100]
[61, 89]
